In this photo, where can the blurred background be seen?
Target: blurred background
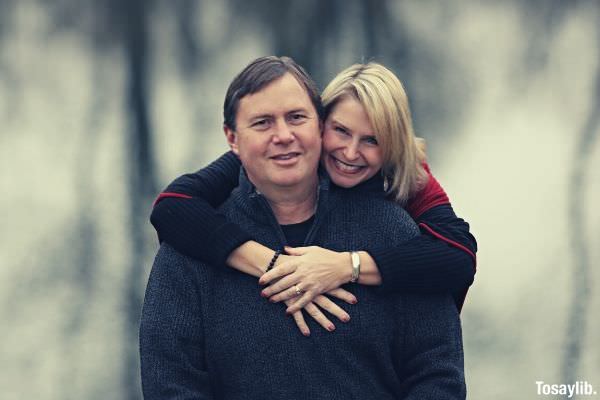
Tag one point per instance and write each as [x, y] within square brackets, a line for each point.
[104, 102]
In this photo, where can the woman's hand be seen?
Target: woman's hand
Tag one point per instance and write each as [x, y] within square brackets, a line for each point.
[315, 312]
[310, 272]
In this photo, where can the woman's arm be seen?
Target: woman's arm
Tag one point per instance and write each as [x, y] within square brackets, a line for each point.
[441, 259]
[184, 216]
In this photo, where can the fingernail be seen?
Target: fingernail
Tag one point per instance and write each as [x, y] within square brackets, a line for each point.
[263, 294]
[354, 301]
[331, 328]
[306, 333]
[346, 318]
[272, 300]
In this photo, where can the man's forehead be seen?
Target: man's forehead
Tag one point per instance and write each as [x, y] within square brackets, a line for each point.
[284, 94]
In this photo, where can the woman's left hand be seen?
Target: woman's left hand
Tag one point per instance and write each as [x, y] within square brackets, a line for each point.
[312, 271]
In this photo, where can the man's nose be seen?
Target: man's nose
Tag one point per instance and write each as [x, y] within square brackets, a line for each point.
[283, 133]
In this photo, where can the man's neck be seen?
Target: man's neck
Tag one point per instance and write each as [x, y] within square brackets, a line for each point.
[292, 205]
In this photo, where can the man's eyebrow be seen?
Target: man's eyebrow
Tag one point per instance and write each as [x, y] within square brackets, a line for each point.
[298, 110]
[260, 116]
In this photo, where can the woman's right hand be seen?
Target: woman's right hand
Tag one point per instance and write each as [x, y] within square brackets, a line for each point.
[314, 307]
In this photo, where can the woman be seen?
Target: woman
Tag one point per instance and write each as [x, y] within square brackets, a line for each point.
[368, 140]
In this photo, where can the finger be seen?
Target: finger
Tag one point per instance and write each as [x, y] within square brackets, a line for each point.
[299, 304]
[279, 286]
[301, 323]
[343, 294]
[283, 269]
[314, 312]
[287, 294]
[332, 308]
[295, 251]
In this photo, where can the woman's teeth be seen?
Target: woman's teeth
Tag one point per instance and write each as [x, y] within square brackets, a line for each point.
[347, 167]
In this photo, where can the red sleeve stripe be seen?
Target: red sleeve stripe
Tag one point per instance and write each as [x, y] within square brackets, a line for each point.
[451, 242]
[432, 195]
[164, 195]
[417, 212]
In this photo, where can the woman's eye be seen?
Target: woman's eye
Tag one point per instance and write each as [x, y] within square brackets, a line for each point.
[371, 140]
[340, 130]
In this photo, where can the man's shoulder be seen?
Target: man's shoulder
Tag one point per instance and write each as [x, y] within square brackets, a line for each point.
[171, 264]
[373, 210]
[238, 203]
[168, 254]
[371, 201]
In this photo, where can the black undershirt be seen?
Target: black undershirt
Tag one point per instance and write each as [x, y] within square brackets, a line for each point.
[295, 234]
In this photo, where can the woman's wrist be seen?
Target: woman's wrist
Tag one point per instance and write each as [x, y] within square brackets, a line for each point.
[252, 258]
[345, 263]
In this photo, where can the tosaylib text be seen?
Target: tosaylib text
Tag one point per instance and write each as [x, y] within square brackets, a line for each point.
[579, 388]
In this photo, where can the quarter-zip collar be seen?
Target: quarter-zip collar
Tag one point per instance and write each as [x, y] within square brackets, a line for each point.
[257, 207]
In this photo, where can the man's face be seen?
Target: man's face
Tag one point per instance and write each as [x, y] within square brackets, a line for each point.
[277, 135]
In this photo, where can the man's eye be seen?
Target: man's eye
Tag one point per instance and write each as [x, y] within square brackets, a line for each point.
[297, 118]
[261, 123]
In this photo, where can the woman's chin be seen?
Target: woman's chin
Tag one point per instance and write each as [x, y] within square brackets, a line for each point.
[345, 181]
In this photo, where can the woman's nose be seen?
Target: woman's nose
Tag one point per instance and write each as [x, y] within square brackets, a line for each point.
[351, 151]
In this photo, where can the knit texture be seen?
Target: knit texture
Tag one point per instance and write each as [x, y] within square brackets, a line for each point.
[205, 332]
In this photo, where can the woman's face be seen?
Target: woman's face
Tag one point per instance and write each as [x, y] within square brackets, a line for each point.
[350, 154]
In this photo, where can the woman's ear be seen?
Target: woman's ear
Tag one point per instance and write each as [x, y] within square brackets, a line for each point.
[231, 139]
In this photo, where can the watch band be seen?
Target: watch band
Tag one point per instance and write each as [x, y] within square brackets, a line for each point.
[355, 266]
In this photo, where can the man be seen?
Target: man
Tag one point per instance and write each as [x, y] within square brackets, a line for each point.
[205, 333]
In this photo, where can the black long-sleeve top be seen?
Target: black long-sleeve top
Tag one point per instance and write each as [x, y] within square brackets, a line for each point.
[441, 259]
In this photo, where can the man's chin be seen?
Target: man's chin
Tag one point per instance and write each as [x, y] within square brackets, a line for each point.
[291, 179]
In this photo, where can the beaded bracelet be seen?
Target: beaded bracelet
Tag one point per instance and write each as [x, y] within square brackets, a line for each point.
[273, 260]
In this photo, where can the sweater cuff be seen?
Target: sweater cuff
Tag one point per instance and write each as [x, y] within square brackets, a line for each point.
[224, 240]
[395, 277]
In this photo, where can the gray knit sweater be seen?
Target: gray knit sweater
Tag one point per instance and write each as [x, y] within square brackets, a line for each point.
[207, 334]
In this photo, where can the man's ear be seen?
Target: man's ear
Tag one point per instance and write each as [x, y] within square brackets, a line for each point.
[231, 139]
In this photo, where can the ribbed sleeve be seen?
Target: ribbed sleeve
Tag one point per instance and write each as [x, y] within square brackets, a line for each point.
[192, 225]
[428, 263]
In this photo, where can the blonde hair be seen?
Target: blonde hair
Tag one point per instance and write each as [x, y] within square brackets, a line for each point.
[385, 101]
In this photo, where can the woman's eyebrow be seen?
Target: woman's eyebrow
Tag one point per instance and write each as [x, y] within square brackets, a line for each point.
[336, 122]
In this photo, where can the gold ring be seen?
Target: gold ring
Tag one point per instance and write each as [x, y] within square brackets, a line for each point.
[298, 291]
